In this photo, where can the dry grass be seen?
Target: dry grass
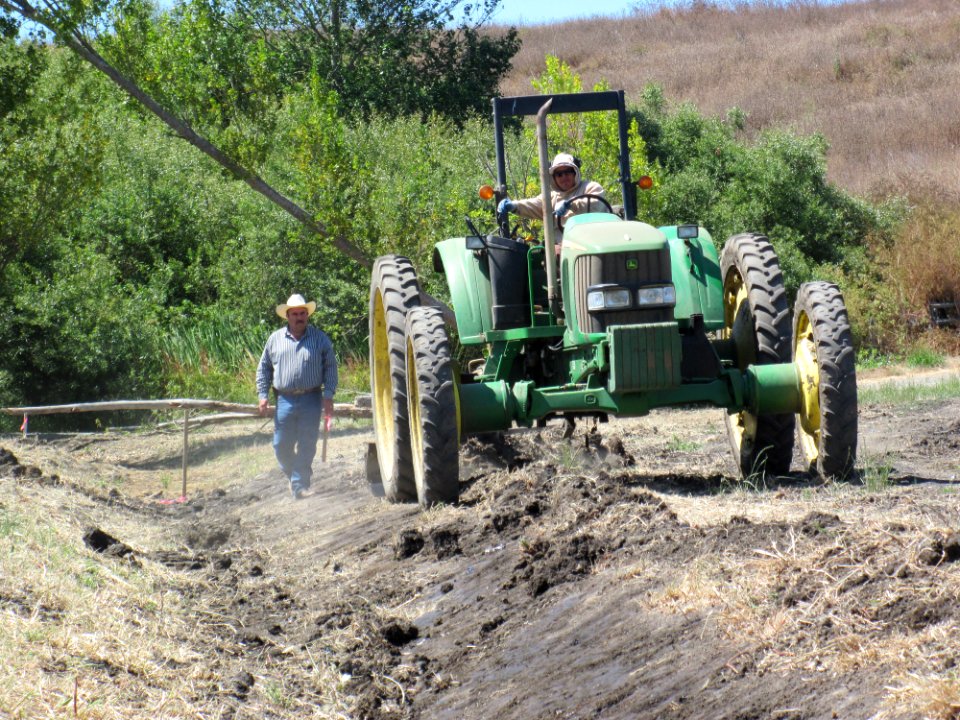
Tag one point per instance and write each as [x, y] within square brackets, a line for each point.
[880, 79]
[926, 258]
[146, 463]
[88, 635]
[842, 583]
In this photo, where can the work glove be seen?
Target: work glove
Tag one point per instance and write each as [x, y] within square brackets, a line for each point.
[561, 209]
[506, 206]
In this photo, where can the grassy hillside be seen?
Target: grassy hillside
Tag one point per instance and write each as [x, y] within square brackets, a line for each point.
[880, 79]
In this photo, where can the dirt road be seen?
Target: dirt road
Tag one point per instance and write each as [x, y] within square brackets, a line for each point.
[623, 574]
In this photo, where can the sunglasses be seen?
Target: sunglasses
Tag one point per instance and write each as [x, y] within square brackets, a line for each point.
[568, 171]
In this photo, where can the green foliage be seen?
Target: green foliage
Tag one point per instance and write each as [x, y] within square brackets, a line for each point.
[679, 444]
[51, 149]
[393, 57]
[225, 67]
[74, 334]
[910, 393]
[876, 471]
[869, 358]
[209, 65]
[20, 67]
[922, 357]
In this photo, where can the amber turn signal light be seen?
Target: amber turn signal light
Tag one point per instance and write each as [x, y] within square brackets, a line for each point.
[645, 182]
[485, 192]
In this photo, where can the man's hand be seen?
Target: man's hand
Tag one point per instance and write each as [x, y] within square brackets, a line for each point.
[328, 407]
[264, 407]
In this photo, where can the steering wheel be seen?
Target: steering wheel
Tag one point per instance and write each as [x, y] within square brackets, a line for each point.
[563, 207]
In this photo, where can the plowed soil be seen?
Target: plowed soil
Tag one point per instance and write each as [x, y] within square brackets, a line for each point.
[622, 573]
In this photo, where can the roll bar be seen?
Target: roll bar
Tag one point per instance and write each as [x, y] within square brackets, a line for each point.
[524, 105]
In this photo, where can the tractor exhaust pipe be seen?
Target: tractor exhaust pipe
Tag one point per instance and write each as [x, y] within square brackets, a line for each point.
[549, 230]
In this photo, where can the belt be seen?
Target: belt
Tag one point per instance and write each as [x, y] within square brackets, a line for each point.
[297, 392]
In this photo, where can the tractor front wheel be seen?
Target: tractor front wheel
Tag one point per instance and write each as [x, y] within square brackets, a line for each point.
[394, 291]
[433, 408]
[757, 319]
[825, 359]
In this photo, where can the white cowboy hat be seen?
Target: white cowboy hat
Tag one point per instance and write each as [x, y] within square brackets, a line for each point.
[296, 301]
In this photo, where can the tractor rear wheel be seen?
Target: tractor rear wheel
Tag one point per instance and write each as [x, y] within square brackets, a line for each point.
[394, 291]
[433, 408]
[757, 319]
[825, 359]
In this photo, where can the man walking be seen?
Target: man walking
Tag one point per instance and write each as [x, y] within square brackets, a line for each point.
[298, 362]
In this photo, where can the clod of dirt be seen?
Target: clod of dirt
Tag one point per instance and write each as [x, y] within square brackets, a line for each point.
[853, 580]
[207, 538]
[398, 632]
[25, 471]
[555, 564]
[251, 640]
[10, 464]
[446, 543]
[940, 550]
[178, 560]
[818, 522]
[102, 542]
[616, 453]
[917, 613]
[241, 684]
[408, 544]
[490, 625]
[495, 450]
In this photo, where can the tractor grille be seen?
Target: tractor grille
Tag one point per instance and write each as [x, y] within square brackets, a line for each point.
[652, 267]
[644, 357]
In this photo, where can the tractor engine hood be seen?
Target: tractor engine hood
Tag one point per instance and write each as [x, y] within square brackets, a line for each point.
[592, 233]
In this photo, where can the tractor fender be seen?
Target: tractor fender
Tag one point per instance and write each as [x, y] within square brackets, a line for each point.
[695, 266]
[469, 282]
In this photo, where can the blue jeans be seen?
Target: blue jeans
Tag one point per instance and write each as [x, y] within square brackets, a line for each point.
[295, 433]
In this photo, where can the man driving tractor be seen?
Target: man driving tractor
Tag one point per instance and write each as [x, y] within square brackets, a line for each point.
[566, 183]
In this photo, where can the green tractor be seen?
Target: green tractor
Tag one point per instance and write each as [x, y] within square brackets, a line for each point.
[620, 318]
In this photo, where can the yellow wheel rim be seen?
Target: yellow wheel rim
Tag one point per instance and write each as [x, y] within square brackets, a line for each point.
[413, 412]
[382, 389]
[805, 358]
[456, 401]
[743, 425]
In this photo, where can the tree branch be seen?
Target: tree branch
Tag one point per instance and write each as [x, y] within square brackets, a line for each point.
[76, 42]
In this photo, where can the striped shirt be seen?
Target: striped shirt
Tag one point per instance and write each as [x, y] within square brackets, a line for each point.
[289, 364]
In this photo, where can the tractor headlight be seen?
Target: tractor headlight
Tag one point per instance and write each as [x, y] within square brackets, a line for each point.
[610, 297]
[660, 295]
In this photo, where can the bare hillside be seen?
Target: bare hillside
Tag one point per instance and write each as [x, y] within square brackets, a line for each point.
[880, 79]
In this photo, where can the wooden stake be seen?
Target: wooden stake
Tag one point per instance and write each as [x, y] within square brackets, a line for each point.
[186, 431]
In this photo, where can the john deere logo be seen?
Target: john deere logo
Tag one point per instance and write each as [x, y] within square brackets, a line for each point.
[632, 264]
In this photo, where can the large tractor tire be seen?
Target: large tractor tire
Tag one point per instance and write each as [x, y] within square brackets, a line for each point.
[394, 291]
[825, 359]
[433, 408]
[757, 319]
